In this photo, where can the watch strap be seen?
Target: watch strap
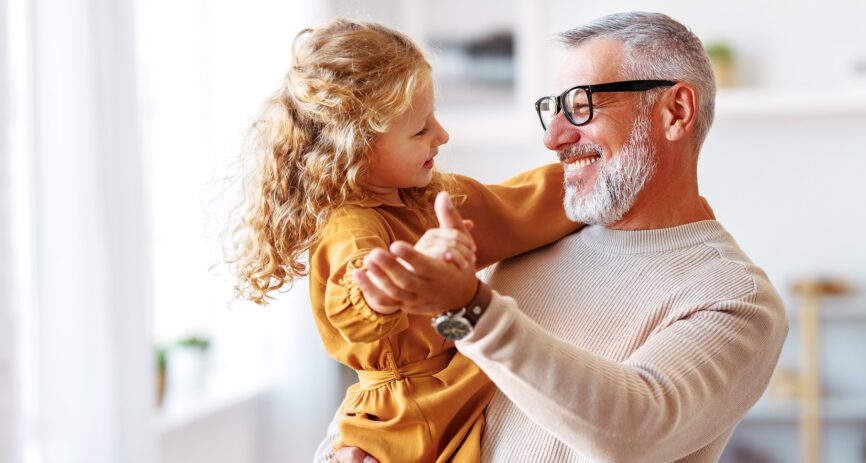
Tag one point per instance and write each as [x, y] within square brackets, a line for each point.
[479, 303]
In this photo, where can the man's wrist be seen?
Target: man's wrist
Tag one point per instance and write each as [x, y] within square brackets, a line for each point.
[477, 306]
[458, 324]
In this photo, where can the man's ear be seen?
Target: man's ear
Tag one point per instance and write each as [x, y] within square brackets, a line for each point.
[679, 110]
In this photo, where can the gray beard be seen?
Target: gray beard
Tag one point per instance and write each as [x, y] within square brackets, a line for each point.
[618, 183]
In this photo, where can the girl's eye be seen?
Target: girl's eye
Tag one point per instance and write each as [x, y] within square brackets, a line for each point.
[422, 132]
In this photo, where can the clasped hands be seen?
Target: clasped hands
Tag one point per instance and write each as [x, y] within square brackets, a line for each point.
[434, 275]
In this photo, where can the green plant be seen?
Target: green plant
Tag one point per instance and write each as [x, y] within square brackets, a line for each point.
[195, 342]
[161, 358]
[720, 52]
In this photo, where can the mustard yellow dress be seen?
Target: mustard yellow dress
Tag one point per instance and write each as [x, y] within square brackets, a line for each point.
[418, 399]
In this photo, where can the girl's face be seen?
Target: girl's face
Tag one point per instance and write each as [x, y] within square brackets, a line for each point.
[403, 156]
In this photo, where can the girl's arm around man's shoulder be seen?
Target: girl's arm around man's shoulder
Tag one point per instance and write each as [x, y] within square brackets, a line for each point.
[520, 214]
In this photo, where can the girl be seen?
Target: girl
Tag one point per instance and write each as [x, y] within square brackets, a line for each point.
[342, 162]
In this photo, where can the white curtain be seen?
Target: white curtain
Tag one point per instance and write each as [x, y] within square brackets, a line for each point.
[76, 337]
[10, 411]
[8, 367]
[81, 318]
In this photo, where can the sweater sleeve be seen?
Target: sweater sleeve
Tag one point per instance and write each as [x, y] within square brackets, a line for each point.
[341, 250]
[688, 383]
[523, 213]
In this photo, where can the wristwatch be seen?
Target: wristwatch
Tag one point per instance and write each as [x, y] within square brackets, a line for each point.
[456, 325]
[453, 325]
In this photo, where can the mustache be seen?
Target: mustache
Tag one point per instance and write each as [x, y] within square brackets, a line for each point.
[573, 151]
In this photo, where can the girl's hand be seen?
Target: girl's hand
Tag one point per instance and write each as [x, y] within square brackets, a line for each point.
[424, 285]
[352, 455]
[449, 244]
[418, 283]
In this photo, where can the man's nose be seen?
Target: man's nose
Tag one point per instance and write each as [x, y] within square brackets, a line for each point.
[560, 132]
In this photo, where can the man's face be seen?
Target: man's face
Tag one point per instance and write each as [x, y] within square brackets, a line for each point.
[607, 161]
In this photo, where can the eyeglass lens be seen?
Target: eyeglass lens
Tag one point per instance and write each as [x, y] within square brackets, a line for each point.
[575, 103]
[547, 110]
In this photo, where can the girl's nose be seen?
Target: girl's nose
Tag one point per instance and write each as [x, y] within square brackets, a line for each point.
[443, 134]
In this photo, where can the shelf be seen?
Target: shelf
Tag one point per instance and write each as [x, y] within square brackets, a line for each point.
[843, 309]
[512, 123]
[220, 393]
[834, 409]
[759, 102]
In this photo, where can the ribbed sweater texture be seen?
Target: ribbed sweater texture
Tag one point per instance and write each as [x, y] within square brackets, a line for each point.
[626, 346]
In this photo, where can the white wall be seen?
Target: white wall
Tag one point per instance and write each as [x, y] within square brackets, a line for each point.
[791, 191]
[778, 42]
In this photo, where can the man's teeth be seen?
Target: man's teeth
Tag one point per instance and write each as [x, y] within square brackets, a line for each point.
[580, 163]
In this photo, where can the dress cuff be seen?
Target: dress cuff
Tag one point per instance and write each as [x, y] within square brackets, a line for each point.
[357, 301]
[358, 322]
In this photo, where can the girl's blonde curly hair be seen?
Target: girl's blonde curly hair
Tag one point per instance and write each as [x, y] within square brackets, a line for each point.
[309, 149]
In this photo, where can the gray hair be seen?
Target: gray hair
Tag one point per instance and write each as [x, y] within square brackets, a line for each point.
[657, 47]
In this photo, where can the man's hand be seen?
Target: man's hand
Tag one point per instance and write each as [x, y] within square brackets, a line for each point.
[422, 285]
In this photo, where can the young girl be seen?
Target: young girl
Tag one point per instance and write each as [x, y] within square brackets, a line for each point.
[342, 162]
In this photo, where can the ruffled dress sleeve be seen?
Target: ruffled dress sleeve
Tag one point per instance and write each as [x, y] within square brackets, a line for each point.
[349, 236]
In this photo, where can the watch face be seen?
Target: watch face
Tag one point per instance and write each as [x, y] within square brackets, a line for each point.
[454, 329]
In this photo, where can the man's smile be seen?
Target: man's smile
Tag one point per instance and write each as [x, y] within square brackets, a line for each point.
[575, 164]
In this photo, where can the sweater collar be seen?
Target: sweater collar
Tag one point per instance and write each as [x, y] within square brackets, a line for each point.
[646, 241]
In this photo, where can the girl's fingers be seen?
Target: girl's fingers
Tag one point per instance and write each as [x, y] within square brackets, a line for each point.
[455, 258]
[446, 213]
[460, 255]
[455, 248]
[448, 233]
[448, 250]
[352, 455]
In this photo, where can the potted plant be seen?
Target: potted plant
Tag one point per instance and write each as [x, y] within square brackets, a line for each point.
[722, 59]
[187, 365]
[161, 367]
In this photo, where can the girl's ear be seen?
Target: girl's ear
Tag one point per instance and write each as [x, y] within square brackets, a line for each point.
[679, 108]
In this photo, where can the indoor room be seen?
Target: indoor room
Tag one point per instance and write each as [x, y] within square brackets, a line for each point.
[124, 126]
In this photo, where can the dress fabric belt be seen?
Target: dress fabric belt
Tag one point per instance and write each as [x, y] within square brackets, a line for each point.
[372, 379]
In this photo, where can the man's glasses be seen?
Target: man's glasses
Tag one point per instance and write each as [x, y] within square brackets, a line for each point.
[576, 102]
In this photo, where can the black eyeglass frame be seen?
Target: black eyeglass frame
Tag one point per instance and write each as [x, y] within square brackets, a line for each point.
[622, 86]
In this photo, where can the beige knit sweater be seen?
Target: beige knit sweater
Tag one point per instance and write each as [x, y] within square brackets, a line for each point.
[626, 346]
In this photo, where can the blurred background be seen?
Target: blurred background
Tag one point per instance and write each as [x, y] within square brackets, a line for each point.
[120, 119]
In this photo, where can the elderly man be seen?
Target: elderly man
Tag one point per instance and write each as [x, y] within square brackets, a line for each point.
[647, 335]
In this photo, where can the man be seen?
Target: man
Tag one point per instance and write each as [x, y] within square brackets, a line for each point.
[647, 335]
